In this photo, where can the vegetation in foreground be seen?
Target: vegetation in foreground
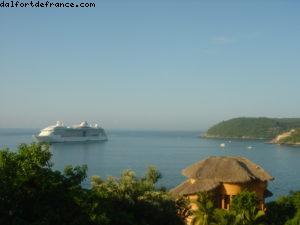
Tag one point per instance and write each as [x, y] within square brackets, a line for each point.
[252, 128]
[244, 211]
[32, 193]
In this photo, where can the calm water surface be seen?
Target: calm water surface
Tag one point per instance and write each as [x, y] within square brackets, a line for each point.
[169, 151]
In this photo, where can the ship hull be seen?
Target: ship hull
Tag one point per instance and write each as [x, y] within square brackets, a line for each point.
[58, 139]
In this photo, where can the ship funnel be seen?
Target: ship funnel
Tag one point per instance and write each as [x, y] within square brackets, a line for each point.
[84, 124]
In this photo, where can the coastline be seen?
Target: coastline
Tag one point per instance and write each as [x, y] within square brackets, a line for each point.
[268, 141]
[236, 138]
[287, 144]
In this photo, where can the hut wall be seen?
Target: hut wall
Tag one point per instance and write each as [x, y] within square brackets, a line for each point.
[233, 189]
[192, 199]
[230, 190]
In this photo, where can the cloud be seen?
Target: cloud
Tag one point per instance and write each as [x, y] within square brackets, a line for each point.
[223, 40]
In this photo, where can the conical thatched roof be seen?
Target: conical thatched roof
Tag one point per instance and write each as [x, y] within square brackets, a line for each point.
[209, 173]
[228, 169]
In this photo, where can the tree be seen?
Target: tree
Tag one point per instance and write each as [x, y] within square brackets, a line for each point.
[204, 212]
[224, 217]
[244, 201]
[32, 193]
[280, 211]
[250, 217]
[135, 201]
[244, 206]
[285, 210]
[295, 198]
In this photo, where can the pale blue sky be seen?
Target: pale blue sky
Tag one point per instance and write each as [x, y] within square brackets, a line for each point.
[150, 64]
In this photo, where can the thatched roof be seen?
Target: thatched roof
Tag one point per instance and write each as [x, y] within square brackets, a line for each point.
[227, 169]
[193, 186]
[208, 174]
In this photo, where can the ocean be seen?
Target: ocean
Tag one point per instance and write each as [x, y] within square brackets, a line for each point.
[168, 151]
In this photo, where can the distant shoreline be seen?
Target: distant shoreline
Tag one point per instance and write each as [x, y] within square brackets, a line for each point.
[236, 138]
[282, 131]
[267, 140]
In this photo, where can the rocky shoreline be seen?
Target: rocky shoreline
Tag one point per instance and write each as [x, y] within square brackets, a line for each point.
[283, 138]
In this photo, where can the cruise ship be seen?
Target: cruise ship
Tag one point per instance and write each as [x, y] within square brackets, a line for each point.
[77, 133]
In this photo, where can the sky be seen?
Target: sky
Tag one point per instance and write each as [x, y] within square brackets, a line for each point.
[159, 65]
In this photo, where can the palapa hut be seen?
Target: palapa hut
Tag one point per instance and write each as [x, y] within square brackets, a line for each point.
[224, 177]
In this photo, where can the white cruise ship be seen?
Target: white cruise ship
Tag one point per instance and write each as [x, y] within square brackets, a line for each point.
[78, 133]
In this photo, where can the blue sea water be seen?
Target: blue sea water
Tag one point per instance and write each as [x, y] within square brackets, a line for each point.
[169, 151]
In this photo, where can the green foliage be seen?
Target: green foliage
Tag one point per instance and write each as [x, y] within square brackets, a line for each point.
[224, 217]
[204, 214]
[244, 206]
[152, 175]
[252, 216]
[243, 211]
[285, 210]
[262, 128]
[133, 200]
[244, 201]
[280, 211]
[31, 193]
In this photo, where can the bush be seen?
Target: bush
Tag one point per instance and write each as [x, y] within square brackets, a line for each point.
[32, 193]
[285, 210]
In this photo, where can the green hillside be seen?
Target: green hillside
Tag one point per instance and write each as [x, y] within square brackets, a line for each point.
[293, 138]
[252, 128]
